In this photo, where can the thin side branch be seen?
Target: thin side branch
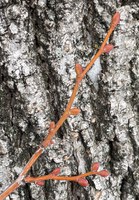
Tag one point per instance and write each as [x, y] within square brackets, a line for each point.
[80, 179]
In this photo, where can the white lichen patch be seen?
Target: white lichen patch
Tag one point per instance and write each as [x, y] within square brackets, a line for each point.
[13, 28]
[125, 41]
[18, 170]
[5, 173]
[42, 3]
[78, 153]
[3, 147]
[94, 72]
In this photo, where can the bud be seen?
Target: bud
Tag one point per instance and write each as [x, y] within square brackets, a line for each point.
[108, 48]
[40, 183]
[74, 111]
[115, 20]
[83, 182]
[56, 171]
[52, 125]
[95, 166]
[104, 173]
[78, 69]
[46, 142]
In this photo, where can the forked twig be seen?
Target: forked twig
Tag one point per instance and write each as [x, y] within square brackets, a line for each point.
[80, 73]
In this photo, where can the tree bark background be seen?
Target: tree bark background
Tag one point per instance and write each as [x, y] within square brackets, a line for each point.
[40, 42]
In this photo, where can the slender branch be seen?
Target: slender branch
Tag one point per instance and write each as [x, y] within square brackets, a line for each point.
[9, 190]
[68, 111]
[79, 178]
[52, 177]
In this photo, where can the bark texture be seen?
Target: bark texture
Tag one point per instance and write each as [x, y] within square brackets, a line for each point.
[40, 42]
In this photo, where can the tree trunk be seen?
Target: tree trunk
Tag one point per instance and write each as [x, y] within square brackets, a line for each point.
[41, 40]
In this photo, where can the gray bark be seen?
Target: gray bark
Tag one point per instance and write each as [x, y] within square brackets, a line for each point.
[40, 43]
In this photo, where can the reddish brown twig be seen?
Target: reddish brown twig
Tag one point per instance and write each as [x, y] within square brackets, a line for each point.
[80, 73]
[79, 179]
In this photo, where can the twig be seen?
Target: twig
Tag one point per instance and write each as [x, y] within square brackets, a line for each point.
[80, 73]
[79, 179]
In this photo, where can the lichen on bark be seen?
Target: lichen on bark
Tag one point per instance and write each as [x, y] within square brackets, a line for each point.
[40, 43]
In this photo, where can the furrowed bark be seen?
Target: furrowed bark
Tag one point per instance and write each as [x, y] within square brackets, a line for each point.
[40, 43]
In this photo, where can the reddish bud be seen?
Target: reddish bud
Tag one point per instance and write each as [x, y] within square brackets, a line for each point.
[74, 111]
[108, 48]
[40, 183]
[115, 20]
[78, 69]
[95, 166]
[104, 173]
[52, 125]
[56, 171]
[83, 182]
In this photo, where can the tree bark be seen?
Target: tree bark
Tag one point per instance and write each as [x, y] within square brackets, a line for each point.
[40, 42]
